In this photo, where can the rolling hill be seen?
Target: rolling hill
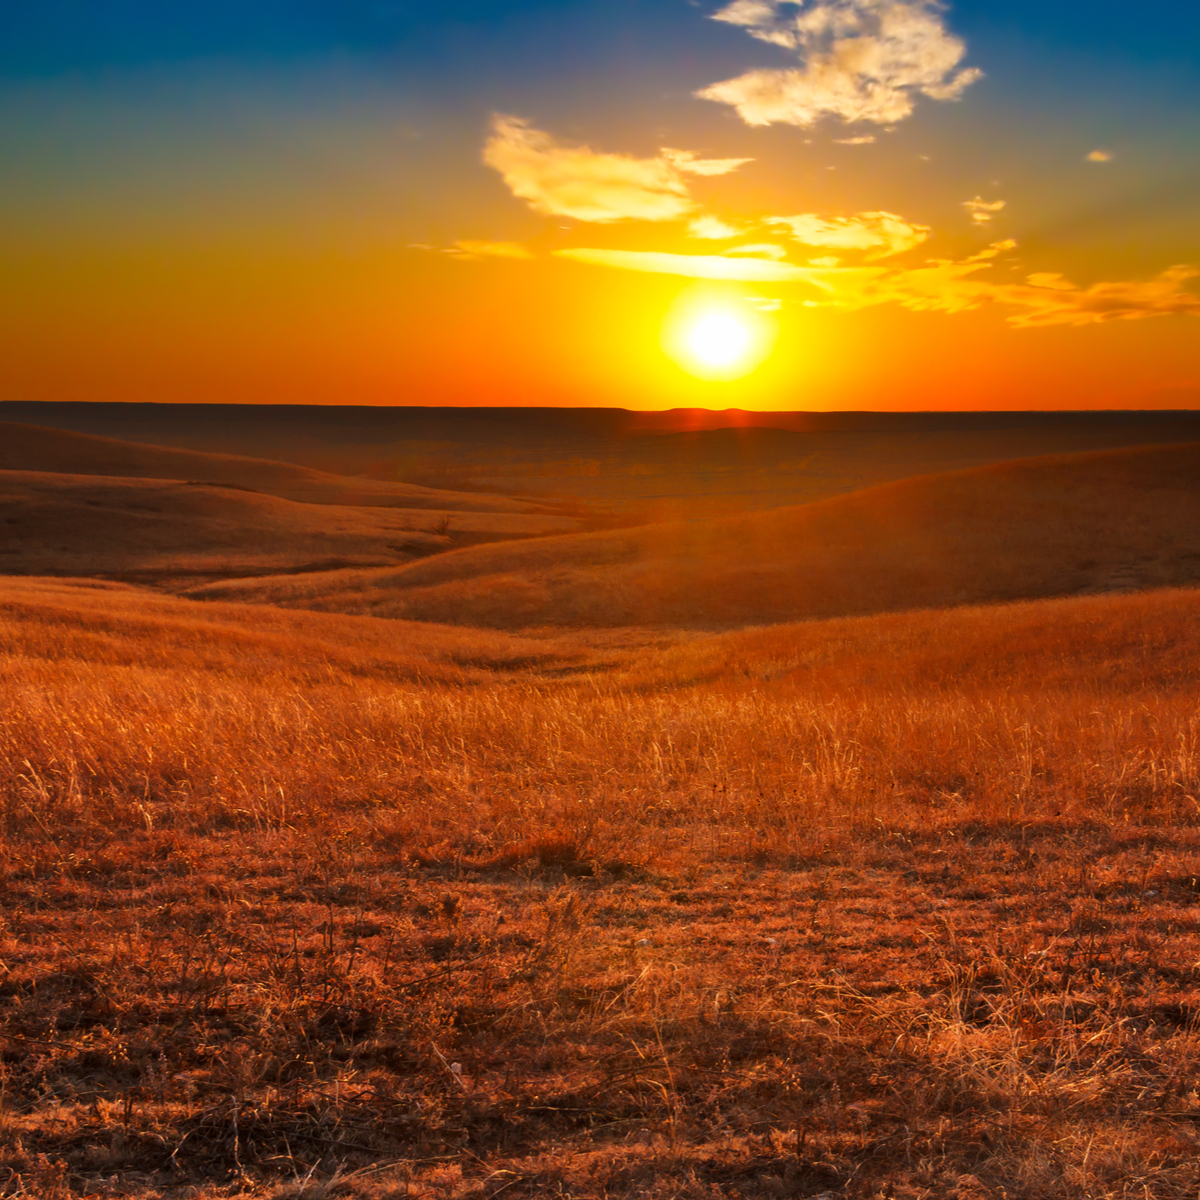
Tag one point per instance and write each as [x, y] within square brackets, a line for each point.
[1055, 525]
[74, 504]
[34, 448]
[151, 529]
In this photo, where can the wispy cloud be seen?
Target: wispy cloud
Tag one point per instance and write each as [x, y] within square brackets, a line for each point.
[862, 60]
[1100, 156]
[981, 210]
[855, 141]
[759, 250]
[881, 233]
[587, 185]
[471, 249]
[712, 228]
[1056, 301]
[694, 266]
[941, 285]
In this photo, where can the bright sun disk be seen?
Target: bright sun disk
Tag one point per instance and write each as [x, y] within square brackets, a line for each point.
[717, 337]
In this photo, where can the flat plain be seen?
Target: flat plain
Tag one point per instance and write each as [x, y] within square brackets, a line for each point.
[891, 892]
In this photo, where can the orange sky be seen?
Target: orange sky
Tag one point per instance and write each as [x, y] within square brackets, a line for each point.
[504, 226]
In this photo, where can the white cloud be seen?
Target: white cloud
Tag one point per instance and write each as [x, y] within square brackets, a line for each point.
[578, 182]
[981, 210]
[881, 233]
[686, 161]
[862, 60]
[712, 228]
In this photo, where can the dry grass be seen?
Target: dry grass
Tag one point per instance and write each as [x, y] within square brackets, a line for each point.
[902, 906]
[1059, 525]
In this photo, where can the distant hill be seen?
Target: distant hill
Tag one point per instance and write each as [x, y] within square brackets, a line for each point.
[34, 448]
[1056, 525]
[644, 466]
[58, 524]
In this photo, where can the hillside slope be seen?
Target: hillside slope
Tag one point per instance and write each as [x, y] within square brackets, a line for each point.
[33, 448]
[1056, 525]
[55, 524]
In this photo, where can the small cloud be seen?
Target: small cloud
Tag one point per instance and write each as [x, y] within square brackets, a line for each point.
[1100, 156]
[861, 60]
[759, 250]
[712, 228]
[881, 233]
[981, 210]
[826, 260]
[586, 185]
[469, 249]
[686, 161]
[858, 141]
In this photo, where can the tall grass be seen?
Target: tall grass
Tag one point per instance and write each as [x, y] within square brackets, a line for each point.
[764, 742]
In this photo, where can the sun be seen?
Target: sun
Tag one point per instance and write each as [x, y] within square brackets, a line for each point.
[717, 336]
[719, 340]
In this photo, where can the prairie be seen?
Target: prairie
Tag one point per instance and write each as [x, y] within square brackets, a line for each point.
[305, 904]
[33, 448]
[1055, 525]
[680, 463]
[79, 505]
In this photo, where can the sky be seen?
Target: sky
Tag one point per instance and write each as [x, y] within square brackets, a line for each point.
[768, 204]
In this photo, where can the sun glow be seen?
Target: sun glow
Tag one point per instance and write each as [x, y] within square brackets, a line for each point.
[717, 336]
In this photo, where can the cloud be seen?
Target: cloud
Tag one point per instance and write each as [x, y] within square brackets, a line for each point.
[941, 285]
[581, 183]
[858, 141]
[1045, 299]
[1100, 156]
[469, 249]
[694, 266]
[1056, 301]
[882, 233]
[712, 228]
[981, 210]
[758, 250]
[862, 60]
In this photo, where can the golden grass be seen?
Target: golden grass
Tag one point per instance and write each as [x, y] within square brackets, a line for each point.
[772, 732]
[1059, 525]
[895, 906]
